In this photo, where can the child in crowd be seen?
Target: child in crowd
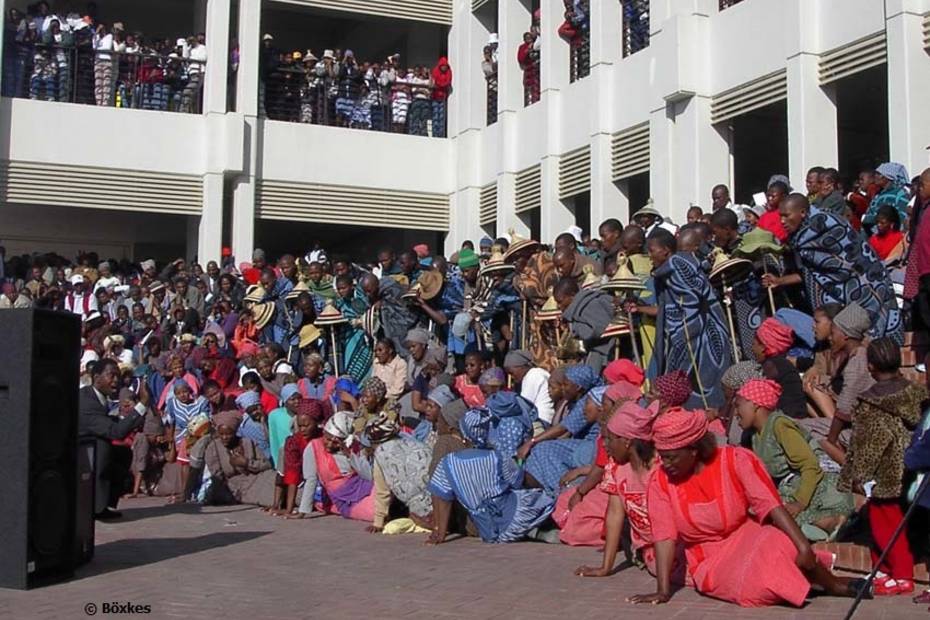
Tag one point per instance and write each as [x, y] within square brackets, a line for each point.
[466, 384]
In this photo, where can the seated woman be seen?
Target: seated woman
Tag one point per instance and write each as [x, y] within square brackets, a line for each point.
[466, 384]
[390, 368]
[217, 399]
[632, 462]
[372, 400]
[151, 449]
[509, 418]
[888, 240]
[400, 471]
[438, 397]
[809, 493]
[490, 487]
[315, 384]
[179, 412]
[306, 428]
[443, 413]
[770, 348]
[239, 471]
[548, 457]
[344, 473]
[733, 379]
[741, 545]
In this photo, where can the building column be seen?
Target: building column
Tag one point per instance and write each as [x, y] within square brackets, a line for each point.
[507, 218]
[555, 55]
[812, 128]
[467, 106]
[463, 221]
[606, 33]
[908, 86]
[210, 230]
[555, 217]
[250, 34]
[216, 78]
[700, 156]
[245, 185]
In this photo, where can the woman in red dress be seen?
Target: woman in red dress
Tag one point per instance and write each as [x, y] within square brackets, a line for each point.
[741, 545]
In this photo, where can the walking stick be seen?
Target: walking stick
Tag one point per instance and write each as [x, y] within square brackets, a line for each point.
[881, 558]
[332, 333]
[728, 302]
[523, 325]
[769, 288]
[639, 361]
[694, 364]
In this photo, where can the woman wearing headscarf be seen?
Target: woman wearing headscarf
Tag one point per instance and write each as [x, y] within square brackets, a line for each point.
[893, 180]
[489, 485]
[357, 352]
[344, 473]
[281, 424]
[689, 321]
[548, 458]
[631, 463]
[741, 545]
[838, 265]
[372, 401]
[306, 424]
[733, 379]
[508, 419]
[239, 471]
[400, 471]
[441, 84]
[783, 446]
[770, 348]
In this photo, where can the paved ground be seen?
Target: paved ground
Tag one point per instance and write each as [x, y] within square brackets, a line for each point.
[237, 562]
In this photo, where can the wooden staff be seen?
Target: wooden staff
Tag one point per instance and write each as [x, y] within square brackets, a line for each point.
[728, 302]
[765, 268]
[694, 364]
[523, 324]
[629, 317]
[332, 333]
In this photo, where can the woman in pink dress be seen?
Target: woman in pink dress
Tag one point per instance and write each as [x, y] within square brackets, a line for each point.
[331, 461]
[628, 439]
[701, 496]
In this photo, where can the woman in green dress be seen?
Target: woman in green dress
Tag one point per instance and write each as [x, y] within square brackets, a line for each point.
[809, 493]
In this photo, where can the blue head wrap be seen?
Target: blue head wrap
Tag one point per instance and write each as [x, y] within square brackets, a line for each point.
[894, 172]
[288, 391]
[474, 426]
[582, 375]
[248, 399]
[345, 384]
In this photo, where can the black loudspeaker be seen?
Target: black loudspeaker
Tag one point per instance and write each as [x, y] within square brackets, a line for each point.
[84, 517]
[39, 374]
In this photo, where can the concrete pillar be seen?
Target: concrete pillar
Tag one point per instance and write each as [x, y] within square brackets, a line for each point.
[661, 164]
[507, 219]
[250, 17]
[513, 20]
[243, 224]
[554, 54]
[463, 219]
[191, 236]
[555, 217]
[606, 37]
[812, 129]
[467, 104]
[908, 86]
[210, 231]
[217, 31]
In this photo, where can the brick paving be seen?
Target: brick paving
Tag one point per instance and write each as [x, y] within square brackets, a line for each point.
[237, 562]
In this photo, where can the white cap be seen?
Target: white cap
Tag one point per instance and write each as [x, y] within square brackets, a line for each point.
[493, 38]
[267, 37]
[181, 42]
[575, 231]
[77, 279]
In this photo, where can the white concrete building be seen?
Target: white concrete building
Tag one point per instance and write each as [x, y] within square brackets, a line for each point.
[681, 95]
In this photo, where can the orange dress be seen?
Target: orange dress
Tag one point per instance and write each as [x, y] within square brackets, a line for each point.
[731, 555]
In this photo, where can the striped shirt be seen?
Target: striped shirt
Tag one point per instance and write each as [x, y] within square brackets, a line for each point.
[474, 476]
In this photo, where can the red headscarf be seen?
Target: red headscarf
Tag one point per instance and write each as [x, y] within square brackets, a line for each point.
[776, 337]
[623, 391]
[674, 388]
[763, 392]
[633, 422]
[678, 429]
[624, 370]
[442, 79]
[311, 407]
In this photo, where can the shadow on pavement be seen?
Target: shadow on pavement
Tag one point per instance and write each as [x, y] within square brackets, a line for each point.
[132, 552]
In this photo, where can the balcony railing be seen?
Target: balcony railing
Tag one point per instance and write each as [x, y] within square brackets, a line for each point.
[492, 99]
[103, 78]
[725, 4]
[635, 26]
[294, 95]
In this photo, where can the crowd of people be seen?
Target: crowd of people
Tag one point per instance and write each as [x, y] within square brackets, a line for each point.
[729, 391]
[340, 90]
[74, 57]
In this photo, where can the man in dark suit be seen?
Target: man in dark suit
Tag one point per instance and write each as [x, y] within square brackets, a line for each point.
[94, 421]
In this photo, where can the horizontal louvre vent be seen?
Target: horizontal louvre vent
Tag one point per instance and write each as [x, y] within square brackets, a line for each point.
[528, 195]
[361, 206]
[575, 172]
[433, 11]
[100, 188]
[854, 58]
[927, 31]
[487, 205]
[629, 151]
[477, 4]
[750, 96]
